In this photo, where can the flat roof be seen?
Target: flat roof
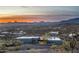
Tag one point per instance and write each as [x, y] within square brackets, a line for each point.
[28, 37]
[54, 38]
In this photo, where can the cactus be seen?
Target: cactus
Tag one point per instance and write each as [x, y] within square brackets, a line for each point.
[72, 45]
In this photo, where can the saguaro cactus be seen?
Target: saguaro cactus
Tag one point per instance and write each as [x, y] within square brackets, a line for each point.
[72, 45]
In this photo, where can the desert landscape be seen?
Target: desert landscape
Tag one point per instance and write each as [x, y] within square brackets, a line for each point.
[39, 29]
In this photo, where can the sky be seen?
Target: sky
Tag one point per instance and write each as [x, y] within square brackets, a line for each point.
[37, 13]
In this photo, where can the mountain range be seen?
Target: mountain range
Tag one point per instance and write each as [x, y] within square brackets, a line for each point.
[73, 21]
[70, 21]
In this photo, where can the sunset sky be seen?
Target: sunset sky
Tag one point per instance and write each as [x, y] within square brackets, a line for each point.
[37, 13]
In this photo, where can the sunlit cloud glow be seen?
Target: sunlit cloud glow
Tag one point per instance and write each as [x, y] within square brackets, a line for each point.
[37, 13]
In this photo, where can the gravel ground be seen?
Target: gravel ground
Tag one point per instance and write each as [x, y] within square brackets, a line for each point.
[33, 49]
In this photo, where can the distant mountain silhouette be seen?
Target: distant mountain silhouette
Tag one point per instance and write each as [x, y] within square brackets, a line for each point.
[70, 21]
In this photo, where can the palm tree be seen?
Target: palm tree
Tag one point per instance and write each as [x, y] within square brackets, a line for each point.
[45, 38]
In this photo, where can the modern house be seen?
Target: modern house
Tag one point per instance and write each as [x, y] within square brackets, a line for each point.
[36, 39]
[54, 41]
[29, 39]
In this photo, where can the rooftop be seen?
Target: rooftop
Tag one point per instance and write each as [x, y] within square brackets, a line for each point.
[54, 38]
[28, 37]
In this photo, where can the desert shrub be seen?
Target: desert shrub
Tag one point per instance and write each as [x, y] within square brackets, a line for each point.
[54, 46]
[66, 45]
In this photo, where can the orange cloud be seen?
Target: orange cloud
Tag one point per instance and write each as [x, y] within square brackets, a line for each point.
[9, 20]
[21, 18]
